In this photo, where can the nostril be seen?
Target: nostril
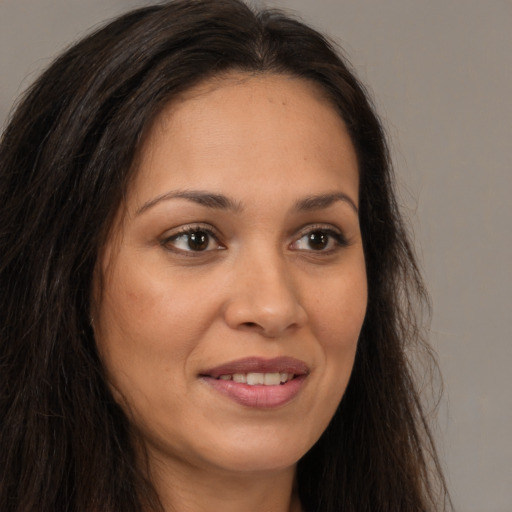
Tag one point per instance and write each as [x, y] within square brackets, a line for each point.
[266, 315]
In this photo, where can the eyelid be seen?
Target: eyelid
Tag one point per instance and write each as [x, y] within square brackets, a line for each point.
[335, 232]
[308, 228]
[187, 229]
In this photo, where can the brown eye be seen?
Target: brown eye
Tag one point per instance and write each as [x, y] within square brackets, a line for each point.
[198, 241]
[318, 240]
[193, 240]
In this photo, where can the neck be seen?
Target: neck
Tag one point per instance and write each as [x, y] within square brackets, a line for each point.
[191, 489]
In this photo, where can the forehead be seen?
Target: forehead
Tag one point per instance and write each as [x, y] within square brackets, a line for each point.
[241, 127]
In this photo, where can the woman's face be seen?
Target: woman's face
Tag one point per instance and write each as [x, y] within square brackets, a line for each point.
[234, 284]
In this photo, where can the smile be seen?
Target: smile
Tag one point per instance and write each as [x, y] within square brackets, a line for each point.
[259, 379]
[258, 383]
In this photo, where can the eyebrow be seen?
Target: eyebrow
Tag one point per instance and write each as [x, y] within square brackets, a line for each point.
[321, 201]
[222, 202]
[208, 199]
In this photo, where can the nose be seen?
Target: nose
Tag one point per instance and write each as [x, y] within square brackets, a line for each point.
[264, 297]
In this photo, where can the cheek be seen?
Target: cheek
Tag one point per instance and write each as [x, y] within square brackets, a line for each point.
[336, 315]
[339, 309]
[129, 334]
[146, 328]
[143, 308]
[336, 319]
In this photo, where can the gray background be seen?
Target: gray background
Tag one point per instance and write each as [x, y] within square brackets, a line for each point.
[441, 74]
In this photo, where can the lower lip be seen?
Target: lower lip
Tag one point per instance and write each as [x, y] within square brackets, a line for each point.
[259, 397]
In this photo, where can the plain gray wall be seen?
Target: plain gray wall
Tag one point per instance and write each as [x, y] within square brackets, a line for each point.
[441, 75]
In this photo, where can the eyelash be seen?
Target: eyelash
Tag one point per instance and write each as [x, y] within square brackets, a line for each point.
[334, 236]
[188, 231]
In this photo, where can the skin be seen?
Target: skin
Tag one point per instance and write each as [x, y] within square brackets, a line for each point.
[167, 312]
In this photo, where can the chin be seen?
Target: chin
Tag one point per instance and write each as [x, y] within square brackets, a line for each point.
[261, 462]
[253, 453]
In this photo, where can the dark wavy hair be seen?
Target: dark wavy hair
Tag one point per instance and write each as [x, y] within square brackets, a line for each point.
[66, 158]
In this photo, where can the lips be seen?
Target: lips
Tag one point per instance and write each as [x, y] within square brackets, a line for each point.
[257, 382]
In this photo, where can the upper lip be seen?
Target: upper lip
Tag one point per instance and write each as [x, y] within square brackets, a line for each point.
[259, 365]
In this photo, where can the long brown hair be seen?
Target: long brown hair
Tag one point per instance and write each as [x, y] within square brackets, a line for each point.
[65, 160]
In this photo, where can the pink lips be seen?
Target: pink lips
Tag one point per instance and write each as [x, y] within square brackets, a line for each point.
[258, 396]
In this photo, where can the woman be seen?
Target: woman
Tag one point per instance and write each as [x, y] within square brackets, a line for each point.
[207, 287]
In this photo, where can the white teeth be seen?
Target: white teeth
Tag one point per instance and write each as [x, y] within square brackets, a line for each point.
[272, 379]
[254, 379]
[259, 379]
